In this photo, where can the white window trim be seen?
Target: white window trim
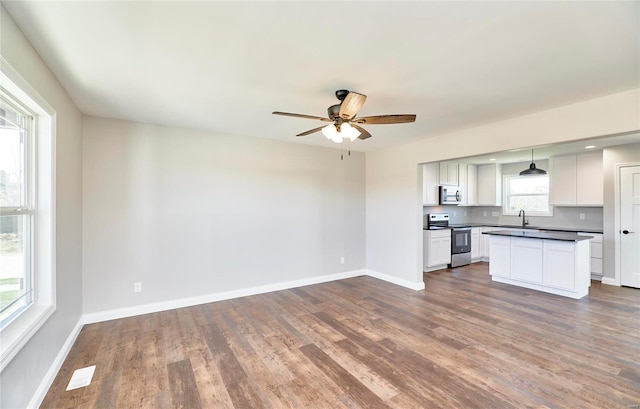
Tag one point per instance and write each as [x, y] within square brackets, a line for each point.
[505, 200]
[16, 335]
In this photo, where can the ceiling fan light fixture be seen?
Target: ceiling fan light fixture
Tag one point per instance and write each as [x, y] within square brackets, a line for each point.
[532, 170]
[346, 132]
[349, 131]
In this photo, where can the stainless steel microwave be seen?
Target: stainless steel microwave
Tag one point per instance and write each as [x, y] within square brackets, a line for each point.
[450, 195]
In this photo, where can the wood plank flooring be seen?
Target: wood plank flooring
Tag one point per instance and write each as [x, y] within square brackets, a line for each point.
[464, 342]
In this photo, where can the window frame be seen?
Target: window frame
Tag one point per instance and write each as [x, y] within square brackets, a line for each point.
[19, 331]
[506, 184]
[26, 207]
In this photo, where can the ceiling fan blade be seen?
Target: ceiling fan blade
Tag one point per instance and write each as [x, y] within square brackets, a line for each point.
[351, 105]
[310, 131]
[302, 116]
[364, 134]
[385, 119]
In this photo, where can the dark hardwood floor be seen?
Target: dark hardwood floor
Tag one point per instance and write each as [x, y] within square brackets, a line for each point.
[464, 342]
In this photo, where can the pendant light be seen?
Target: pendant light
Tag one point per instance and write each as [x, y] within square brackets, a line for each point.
[532, 169]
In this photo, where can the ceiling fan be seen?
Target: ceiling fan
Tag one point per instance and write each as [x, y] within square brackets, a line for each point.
[344, 124]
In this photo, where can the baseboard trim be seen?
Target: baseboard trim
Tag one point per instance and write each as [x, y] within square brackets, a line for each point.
[395, 280]
[50, 376]
[208, 298]
[610, 281]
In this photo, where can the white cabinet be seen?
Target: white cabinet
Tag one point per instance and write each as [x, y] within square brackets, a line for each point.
[462, 183]
[476, 243]
[526, 260]
[500, 265]
[471, 197]
[559, 264]
[489, 187]
[553, 266]
[562, 180]
[449, 173]
[576, 180]
[596, 254]
[485, 245]
[590, 179]
[437, 248]
[430, 184]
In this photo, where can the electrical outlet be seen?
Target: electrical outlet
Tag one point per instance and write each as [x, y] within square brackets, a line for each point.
[582, 216]
[341, 260]
[137, 287]
[454, 214]
[465, 212]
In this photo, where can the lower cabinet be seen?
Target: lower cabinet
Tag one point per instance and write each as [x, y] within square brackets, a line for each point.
[596, 254]
[500, 264]
[526, 260]
[476, 243]
[437, 248]
[553, 266]
[560, 265]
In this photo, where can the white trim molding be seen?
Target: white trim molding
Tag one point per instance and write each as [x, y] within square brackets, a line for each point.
[417, 286]
[617, 279]
[50, 376]
[227, 295]
[207, 298]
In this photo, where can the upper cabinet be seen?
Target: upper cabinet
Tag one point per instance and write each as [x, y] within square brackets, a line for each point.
[430, 184]
[449, 173]
[576, 180]
[489, 186]
[470, 195]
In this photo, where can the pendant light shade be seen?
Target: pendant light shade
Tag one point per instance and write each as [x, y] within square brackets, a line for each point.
[532, 170]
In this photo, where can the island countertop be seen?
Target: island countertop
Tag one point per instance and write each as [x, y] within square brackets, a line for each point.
[539, 235]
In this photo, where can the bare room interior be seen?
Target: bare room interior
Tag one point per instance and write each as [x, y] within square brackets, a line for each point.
[319, 204]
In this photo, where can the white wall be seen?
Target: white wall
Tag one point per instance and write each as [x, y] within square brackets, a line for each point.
[21, 378]
[394, 210]
[189, 213]
[613, 156]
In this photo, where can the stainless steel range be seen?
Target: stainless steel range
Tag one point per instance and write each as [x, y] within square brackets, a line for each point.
[460, 246]
[460, 238]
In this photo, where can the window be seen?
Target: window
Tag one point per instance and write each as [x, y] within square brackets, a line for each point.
[529, 193]
[16, 210]
[27, 228]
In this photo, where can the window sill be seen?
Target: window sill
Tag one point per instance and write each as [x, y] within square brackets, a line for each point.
[19, 332]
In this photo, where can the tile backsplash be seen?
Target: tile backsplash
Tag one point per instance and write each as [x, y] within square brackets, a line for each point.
[563, 217]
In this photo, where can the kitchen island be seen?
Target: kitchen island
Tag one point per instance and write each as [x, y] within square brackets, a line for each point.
[553, 262]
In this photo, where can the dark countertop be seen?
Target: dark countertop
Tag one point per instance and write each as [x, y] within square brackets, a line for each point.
[511, 226]
[539, 235]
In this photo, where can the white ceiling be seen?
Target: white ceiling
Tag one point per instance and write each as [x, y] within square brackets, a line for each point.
[225, 66]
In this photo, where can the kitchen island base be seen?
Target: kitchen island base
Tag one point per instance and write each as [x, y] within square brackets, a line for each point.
[560, 267]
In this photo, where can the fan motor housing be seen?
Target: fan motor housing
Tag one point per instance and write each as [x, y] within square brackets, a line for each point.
[334, 112]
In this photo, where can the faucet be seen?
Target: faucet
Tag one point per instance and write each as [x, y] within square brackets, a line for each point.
[524, 222]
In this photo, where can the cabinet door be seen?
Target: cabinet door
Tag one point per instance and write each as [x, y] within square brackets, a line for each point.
[489, 185]
[500, 264]
[430, 184]
[472, 183]
[449, 173]
[562, 180]
[526, 260]
[559, 264]
[476, 240]
[463, 183]
[589, 182]
[439, 247]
